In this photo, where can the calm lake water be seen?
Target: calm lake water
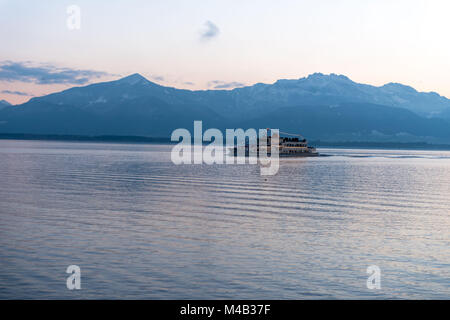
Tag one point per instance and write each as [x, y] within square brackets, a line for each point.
[140, 227]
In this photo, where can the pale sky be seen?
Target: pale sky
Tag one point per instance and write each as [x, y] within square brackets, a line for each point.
[206, 44]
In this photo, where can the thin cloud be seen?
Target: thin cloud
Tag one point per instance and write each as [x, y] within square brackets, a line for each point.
[210, 31]
[158, 78]
[46, 73]
[214, 82]
[225, 85]
[17, 93]
[188, 83]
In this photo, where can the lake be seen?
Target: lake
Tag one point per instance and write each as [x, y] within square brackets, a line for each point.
[140, 227]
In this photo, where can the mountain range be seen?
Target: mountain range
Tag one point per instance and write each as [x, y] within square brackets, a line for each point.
[327, 107]
[4, 103]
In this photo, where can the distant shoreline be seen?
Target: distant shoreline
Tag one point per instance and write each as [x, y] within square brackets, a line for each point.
[83, 138]
[166, 140]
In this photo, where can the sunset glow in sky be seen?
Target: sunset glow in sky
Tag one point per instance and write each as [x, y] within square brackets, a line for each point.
[222, 44]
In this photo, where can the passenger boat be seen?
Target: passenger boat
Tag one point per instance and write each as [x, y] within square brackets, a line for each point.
[290, 145]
